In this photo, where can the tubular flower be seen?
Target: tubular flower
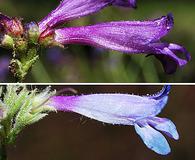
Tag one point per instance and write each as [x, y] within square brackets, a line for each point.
[72, 9]
[26, 40]
[125, 109]
[129, 37]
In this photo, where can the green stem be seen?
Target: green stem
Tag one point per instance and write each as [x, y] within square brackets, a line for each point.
[3, 152]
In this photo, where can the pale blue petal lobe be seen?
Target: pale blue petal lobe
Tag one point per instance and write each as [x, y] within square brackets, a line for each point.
[153, 139]
[165, 125]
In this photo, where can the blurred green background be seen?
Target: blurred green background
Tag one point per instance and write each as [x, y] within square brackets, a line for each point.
[69, 136]
[79, 63]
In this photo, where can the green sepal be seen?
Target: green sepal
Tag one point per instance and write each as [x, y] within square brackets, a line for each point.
[22, 107]
[21, 46]
[20, 68]
[33, 33]
[7, 42]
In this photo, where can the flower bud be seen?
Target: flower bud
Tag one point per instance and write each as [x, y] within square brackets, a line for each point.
[40, 99]
[12, 26]
[7, 41]
[32, 32]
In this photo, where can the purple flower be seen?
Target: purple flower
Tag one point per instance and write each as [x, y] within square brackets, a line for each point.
[11, 26]
[125, 109]
[129, 37]
[72, 9]
[126, 3]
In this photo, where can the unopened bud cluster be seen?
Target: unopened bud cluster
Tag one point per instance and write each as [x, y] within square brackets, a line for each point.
[25, 41]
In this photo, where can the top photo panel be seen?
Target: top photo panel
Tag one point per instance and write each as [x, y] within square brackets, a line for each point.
[97, 41]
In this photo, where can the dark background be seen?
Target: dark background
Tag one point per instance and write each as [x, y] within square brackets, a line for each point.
[87, 64]
[69, 136]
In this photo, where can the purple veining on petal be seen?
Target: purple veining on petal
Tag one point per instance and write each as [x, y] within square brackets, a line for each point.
[72, 9]
[129, 37]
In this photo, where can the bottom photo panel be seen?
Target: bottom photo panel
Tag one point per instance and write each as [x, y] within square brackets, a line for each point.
[107, 122]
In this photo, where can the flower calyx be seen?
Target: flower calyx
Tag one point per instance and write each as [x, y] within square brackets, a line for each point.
[20, 107]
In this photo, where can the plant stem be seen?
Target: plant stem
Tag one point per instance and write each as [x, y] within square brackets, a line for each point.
[3, 152]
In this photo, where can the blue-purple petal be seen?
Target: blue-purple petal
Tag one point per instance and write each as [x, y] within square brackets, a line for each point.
[129, 37]
[165, 125]
[153, 139]
[72, 9]
[164, 92]
[167, 54]
[125, 109]
[111, 108]
[126, 36]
